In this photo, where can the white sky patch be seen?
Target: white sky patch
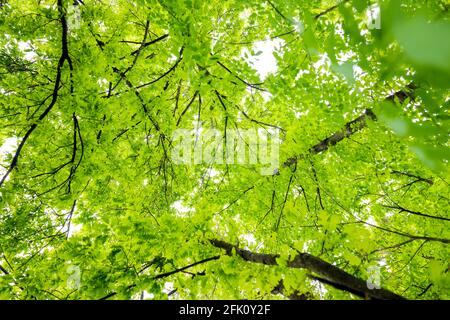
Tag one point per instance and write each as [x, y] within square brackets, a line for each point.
[345, 56]
[245, 14]
[172, 58]
[339, 30]
[249, 239]
[210, 175]
[198, 127]
[323, 64]
[264, 62]
[2, 262]
[181, 210]
[168, 287]
[214, 175]
[306, 245]
[147, 295]
[9, 146]
[320, 288]
[298, 25]
[102, 82]
[358, 71]
[299, 114]
[388, 214]
[357, 214]
[213, 172]
[300, 74]
[373, 15]
[194, 192]
[74, 228]
[239, 116]
[102, 26]
[366, 208]
[27, 49]
[372, 221]
[267, 96]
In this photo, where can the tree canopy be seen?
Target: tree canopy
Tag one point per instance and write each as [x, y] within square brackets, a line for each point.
[93, 205]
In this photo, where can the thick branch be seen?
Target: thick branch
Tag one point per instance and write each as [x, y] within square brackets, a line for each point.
[351, 127]
[324, 270]
[64, 57]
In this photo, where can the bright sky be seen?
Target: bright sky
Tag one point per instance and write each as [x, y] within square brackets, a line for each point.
[265, 62]
[7, 146]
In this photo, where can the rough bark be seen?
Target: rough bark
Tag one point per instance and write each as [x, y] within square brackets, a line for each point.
[324, 271]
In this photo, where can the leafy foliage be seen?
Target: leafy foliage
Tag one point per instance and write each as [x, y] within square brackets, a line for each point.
[91, 92]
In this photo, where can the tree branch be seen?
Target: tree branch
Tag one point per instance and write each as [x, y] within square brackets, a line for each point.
[251, 85]
[317, 16]
[146, 44]
[64, 57]
[324, 270]
[164, 275]
[401, 209]
[351, 127]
